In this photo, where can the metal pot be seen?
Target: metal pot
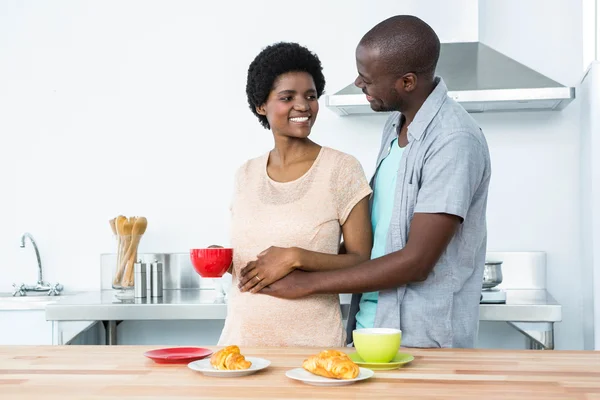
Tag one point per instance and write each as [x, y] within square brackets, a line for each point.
[492, 274]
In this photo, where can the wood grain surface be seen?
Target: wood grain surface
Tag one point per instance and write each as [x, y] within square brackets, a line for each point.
[122, 372]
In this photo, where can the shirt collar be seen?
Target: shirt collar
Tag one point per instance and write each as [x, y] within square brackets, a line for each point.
[428, 110]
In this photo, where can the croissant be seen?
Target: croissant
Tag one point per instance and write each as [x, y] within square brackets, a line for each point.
[331, 364]
[229, 358]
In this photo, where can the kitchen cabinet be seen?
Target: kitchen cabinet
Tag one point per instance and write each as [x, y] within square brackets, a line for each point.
[25, 327]
[29, 327]
[23, 322]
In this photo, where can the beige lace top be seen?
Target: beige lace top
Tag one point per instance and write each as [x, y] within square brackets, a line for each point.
[306, 213]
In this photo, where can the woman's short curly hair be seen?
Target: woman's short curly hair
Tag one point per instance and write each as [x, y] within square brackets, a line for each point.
[276, 60]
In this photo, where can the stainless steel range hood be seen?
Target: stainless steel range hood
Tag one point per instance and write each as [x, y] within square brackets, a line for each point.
[481, 80]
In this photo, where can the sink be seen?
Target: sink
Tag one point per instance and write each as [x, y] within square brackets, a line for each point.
[29, 302]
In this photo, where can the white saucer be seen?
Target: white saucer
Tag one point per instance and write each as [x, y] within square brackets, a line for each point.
[204, 367]
[309, 378]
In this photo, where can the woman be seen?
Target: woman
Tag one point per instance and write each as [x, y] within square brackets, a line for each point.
[289, 208]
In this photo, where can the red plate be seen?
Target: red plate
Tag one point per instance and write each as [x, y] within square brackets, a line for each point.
[178, 355]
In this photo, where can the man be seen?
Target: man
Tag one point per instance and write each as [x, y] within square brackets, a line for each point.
[429, 201]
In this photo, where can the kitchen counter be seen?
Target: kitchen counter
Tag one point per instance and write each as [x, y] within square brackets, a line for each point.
[532, 312]
[521, 305]
[103, 306]
[100, 372]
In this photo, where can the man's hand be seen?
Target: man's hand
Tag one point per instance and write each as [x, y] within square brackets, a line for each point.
[295, 285]
[270, 266]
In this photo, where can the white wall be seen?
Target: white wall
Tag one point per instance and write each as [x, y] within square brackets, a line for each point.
[139, 108]
[591, 35]
[543, 34]
[590, 199]
[534, 192]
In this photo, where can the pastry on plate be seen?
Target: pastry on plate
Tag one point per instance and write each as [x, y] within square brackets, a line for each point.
[229, 358]
[331, 364]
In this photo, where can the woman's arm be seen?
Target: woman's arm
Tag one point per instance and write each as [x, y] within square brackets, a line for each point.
[276, 262]
[358, 241]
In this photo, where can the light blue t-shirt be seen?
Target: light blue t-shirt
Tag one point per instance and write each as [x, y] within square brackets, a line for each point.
[381, 214]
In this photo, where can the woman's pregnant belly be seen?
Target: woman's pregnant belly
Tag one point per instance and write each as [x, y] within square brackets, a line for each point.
[262, 320]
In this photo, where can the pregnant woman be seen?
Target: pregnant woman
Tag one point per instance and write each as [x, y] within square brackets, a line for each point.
[290, 208]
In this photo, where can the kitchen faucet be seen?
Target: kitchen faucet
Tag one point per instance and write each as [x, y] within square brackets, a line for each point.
[40, 286]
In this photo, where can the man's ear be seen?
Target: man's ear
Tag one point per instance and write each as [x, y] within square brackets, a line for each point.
[261, 110]
[407, 83]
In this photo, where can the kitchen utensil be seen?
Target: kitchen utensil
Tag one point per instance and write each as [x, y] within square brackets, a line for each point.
[123, 238]
[138, 230]
[309, 378]
[377, 345]
[118, 274]
[178, 355]
[211, 262]
[156, 279]
[139, 282]
[492, 274]
[207, 369]
[113, 226]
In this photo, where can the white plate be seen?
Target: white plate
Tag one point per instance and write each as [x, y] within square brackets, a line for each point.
[204, 367]
[309, 378]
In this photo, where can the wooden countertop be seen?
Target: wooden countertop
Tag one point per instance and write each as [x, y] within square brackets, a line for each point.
[122, 372]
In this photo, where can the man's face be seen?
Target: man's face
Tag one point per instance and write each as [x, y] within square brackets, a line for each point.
[376, 82]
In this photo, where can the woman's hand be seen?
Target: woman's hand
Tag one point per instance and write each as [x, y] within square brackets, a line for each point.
[270, 266]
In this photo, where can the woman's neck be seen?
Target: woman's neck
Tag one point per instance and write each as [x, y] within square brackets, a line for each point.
[290, 150]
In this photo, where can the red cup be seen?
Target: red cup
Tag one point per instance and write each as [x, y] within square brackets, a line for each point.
[212, 262]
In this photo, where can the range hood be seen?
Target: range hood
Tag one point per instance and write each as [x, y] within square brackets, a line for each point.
[481, 80]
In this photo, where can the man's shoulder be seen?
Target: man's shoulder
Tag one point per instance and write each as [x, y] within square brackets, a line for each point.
[453, 121]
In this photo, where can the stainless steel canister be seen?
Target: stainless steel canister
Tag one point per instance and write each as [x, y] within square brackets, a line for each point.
[139, 280]
[157, 279]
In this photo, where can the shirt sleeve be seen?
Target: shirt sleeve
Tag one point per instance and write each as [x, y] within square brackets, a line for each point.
[453, 170]
[349, 186]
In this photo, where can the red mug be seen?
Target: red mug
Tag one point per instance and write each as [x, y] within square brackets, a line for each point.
[211, 262]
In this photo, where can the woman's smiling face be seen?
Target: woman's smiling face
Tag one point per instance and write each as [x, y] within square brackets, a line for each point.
[292, 105]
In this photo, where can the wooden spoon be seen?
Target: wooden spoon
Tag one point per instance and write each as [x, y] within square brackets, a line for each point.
[113, 226]
[139, 228]
[124, 230]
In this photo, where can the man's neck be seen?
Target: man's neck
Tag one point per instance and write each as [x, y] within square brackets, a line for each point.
[415, 104]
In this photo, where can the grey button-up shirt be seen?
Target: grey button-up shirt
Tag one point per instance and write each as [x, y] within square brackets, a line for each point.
[445, 168]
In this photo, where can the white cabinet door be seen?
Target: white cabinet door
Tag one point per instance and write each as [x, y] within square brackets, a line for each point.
[25, 328]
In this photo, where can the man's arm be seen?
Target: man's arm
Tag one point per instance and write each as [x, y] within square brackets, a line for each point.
[452, 172]
[429, 236]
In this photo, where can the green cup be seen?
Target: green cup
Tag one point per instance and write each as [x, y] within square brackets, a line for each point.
[377, 345]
